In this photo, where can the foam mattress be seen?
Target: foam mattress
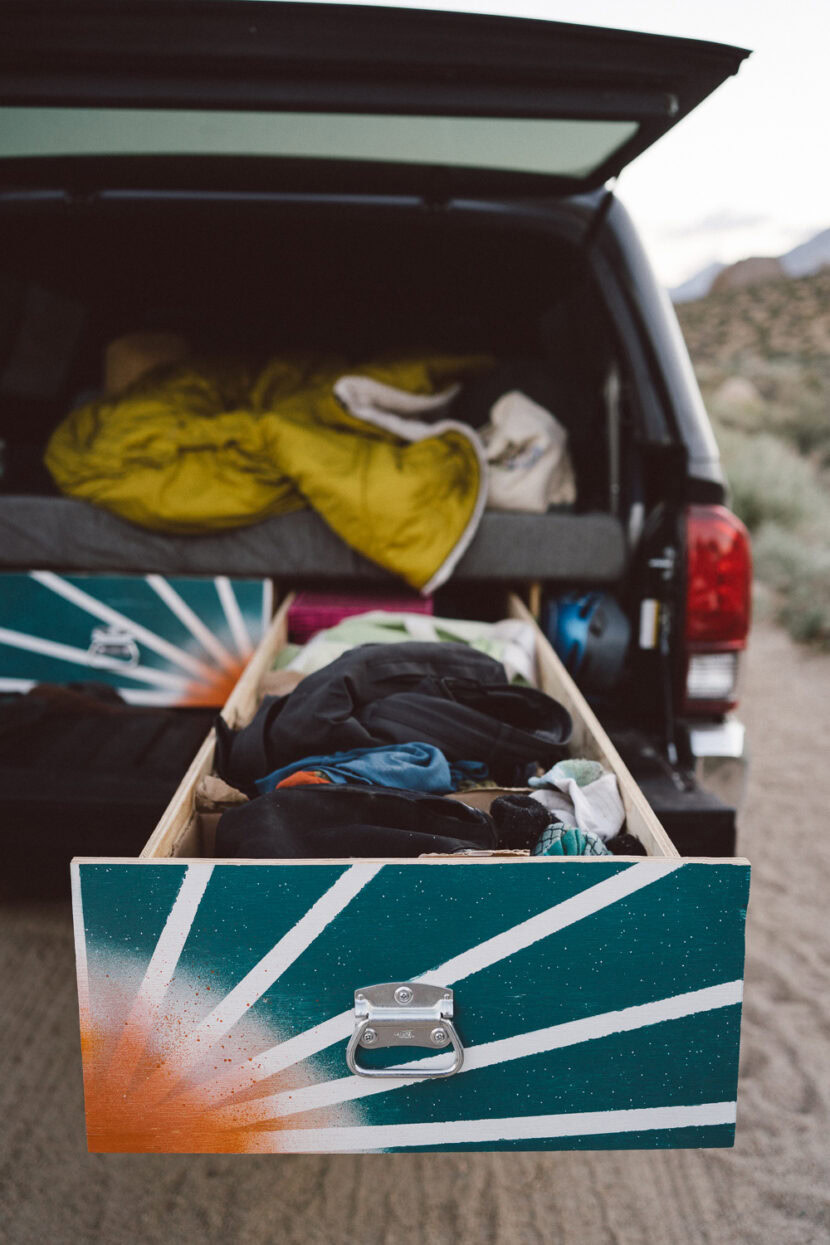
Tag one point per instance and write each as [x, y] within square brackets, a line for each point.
[59, 533]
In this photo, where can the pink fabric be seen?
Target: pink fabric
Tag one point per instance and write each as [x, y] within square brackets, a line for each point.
[315, 611]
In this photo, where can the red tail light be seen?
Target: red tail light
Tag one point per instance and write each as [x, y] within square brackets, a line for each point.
[718, 600]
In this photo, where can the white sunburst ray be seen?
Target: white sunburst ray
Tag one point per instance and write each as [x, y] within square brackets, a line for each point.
[493, 1132]
[233, 615]
[481, 955]
[267, 603]
[235, 1004]
[191, 620]
[149, 698]
[132, 695]
[17, 685]
[98, 609]
[326, 1094]
[81, 657]
[160, 970]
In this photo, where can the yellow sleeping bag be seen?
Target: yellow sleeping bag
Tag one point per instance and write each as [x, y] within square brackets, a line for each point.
[198, 447]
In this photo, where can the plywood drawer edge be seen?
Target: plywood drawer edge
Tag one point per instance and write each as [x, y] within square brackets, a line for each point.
[176, 823]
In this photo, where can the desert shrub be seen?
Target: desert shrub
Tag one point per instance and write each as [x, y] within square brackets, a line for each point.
[807, 425]
[784, 558]
[768, 480]
[780, 497]
[774, 433]
[793, 399]
[796, 564]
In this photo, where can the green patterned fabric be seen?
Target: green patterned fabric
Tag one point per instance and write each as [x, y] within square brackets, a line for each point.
[558, 840]
[510, 641]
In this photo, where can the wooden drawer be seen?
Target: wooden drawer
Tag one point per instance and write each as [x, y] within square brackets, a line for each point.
[597, 1000]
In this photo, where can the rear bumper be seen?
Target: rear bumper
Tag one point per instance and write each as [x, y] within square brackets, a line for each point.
[721, 759]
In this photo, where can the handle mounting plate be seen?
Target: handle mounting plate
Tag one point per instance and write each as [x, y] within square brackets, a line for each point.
[406, 1013]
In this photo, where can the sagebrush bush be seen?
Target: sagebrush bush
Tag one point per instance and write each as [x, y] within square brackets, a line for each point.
[807, 425]
[794, 561]
[762, 357]
[769, 481]
[784, 558]
[792, 399]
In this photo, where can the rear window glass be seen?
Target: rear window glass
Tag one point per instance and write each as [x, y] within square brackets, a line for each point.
[565, 147]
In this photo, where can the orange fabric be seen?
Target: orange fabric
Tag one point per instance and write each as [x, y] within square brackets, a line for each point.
[303, 778]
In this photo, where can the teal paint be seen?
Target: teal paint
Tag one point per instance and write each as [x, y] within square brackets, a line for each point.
[602, 964]
[669, 1064]
[46, 624]
[678, 934]
[714, 1137]
[125, 908]
[245, 912]
[408, 922]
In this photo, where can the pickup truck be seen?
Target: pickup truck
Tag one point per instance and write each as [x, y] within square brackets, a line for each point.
[359, 181]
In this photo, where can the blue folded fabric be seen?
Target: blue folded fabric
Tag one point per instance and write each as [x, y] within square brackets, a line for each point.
[415, 767]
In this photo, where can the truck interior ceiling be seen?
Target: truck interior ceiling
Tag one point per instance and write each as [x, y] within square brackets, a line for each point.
[245, 277]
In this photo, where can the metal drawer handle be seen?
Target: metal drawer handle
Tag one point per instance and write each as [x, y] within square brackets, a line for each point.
[404, 1013]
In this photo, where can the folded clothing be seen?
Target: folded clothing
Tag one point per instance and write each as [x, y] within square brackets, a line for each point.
[582, 793]
[446, 695]
[509, 641]
[415, 766]
[520, 821]
[304, 778]
[309, 822]
[213, 795]
[625, 845]
[560, 840]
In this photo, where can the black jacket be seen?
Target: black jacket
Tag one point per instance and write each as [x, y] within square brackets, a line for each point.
[447, 695]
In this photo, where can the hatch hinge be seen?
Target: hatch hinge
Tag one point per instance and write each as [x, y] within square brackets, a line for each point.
[599, 217]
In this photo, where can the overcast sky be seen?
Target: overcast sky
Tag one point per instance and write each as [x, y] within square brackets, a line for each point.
[748, 173]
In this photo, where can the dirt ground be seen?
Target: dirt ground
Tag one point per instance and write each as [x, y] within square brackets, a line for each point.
[773, 1188]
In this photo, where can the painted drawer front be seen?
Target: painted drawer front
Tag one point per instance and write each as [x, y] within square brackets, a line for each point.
[159, 641]
[598, 1003]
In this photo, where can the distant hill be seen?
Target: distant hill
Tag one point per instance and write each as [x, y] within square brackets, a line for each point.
[786, 317]
[697, 286]
[804, 260]
[748, 272]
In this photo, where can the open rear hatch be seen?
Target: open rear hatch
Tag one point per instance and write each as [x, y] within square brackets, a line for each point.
[496, 105]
